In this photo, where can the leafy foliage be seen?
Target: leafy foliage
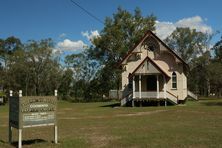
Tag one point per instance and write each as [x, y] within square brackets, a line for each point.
[218, 50]
[188, 43]
[120, 33]
[33, 69]
[88, 76]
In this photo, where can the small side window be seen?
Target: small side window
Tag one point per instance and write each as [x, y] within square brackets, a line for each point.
[174, 80]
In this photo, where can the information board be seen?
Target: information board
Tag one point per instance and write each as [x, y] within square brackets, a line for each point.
[32, 111]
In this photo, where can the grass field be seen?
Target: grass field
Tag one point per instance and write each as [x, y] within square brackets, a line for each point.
[194, 125]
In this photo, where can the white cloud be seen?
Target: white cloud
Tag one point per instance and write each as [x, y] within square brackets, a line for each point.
[62, 35]
[56, 51]
[92, 35]
[68, 45]
[164, 29]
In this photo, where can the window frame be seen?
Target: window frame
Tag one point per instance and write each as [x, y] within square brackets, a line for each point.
[174, 80]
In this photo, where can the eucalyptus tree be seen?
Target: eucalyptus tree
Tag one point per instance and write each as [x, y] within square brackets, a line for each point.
[188, 43]
[8, 47]
[215, 69]
[44, 69]
[33, 69]
[84, 71]
[120, 33]
[217, 48]
[193, 47]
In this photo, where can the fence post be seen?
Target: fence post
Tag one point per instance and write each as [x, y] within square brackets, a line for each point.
[20, 93]
[56, 128]
[10, 93]
[9, 125]
[56, 91]
[20, 130]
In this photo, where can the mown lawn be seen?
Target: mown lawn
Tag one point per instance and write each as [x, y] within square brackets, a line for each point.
[196, 124]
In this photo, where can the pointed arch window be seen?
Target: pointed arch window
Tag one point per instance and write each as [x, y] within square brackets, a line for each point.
[174, 80]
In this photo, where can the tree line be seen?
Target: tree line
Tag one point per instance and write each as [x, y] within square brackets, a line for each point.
[88, 76]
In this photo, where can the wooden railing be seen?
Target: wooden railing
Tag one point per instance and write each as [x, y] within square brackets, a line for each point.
[192, 95]
[126, 98]
[115, 94]
[149, 94]
[173, 98]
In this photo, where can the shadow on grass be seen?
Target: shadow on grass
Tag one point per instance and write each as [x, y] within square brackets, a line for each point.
[1, 141]
[29, 142]
[112, 105]
[212, 103]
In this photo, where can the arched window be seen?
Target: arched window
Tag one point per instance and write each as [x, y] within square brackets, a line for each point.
[174, 80]
[151, 44]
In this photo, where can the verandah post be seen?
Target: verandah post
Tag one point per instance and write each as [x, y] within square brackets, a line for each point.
[164, 87]
[133, 87]
[133, 91]
[157, 87]
[140, 86]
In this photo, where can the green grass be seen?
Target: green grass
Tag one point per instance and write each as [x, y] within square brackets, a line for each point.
[196, 124]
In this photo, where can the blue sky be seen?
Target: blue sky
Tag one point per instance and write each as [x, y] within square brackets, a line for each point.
[67, 24]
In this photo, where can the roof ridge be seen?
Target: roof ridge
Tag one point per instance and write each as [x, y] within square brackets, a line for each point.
[155, 36]
[153, 63]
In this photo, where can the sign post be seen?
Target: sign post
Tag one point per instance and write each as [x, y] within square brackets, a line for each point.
[55, 128]
[32, 111]
[10, 127]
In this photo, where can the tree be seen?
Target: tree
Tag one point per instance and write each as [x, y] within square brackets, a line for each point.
[83, 67]
[215, 77]
[218, 50]
[84, 70]
[33, 69]
[120, 33]
[188, 43]
[44, 68]
[7, 48]
[215, 69]
[198, 79]
[193, 48]
[66, 83]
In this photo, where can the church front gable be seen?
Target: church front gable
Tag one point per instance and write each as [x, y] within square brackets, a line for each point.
[147, 68]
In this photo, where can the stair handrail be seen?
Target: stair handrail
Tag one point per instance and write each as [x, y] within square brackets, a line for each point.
[130, 92]
[175, 97]
[191, 94]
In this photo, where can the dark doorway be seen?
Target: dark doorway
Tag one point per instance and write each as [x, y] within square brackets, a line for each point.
[151, 83]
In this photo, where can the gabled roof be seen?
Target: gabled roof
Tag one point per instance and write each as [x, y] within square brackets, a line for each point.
[167, 47]
[153, 63]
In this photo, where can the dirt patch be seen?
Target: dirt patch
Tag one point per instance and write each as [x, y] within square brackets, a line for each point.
[3, 125]
[61, 112]
[114, 116]
[67, 109]
[140, 113]
[97, 140]
[69, 118]
[4, 116]
[189, 111]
